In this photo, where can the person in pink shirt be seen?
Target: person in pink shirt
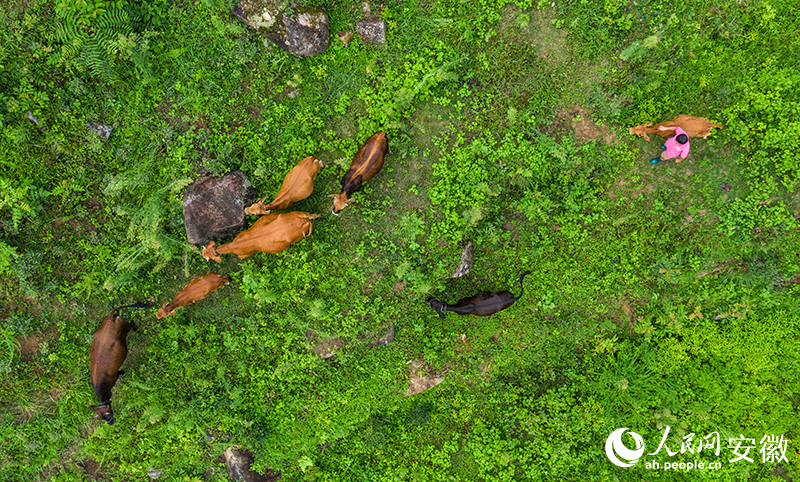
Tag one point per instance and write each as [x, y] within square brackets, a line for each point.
[677, 145]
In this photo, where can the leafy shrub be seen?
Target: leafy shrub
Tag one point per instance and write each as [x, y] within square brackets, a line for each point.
[21, 199]
[153, 206]
[763, 116]
[90, 33]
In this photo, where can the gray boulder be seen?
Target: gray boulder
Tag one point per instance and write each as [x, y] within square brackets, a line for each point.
[99, 129]
[213, 207]
[304, 32]
[32, 118]
[372, 30]
[153, 473]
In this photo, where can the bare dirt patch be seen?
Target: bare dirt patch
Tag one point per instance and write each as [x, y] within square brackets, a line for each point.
[423, 376]
[729, 266]
[578, 120]
[28, 345]
[324, 348]
[624, 313]
[627, 187]
[92, 469]
[486, 368]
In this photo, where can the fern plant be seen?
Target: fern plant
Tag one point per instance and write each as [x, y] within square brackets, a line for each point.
[149, 207]
[91, 33]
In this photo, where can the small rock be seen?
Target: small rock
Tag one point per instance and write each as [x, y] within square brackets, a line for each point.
[292, 93]
[101, 130]
[345, 37]
[726, 187]
[213, 207]
[154, 474]
[365, 8]
[237, 465]
[372, 30]
[466, 262]
[386, 339]
[35, 120]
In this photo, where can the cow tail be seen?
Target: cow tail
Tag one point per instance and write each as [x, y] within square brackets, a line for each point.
[522, 286]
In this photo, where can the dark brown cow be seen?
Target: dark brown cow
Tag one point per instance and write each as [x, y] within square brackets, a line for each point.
[270, 234]
[297, 185]
[107, 353]
[693, 126]
[195, 290]
[484, 303]
[367, 162]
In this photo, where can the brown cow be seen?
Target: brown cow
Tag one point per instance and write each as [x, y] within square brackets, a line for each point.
[270, 234]
[107, 353]
[297, 185]
[694, 127]
[484, 303]
[367, 162]
[195, 290]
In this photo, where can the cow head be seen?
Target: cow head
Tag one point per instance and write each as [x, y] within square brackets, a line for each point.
[340, 202]
[162, 312]
[210, 253]
[257, 208]
[438, 306]
[104, 412]
[640, 130]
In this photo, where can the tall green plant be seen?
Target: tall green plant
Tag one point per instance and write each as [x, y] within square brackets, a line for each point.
[21, 199]
[94, 33]
[148, 210]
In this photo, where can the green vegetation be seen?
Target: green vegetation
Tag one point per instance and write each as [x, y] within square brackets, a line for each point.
[660, 296]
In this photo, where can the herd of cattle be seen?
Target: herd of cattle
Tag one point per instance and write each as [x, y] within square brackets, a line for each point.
[271, 233]
[274, 232]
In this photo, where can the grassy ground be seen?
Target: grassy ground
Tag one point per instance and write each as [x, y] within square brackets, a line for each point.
[659, 295]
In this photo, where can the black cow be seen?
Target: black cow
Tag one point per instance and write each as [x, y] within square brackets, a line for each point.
[484, 303]
[108, 352]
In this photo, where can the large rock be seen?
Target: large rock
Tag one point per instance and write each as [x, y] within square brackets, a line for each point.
[372, 30]
[237, 465]
[304, 32]
[213, 207]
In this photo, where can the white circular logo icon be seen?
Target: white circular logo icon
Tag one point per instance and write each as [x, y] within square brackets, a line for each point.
[618, 453]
